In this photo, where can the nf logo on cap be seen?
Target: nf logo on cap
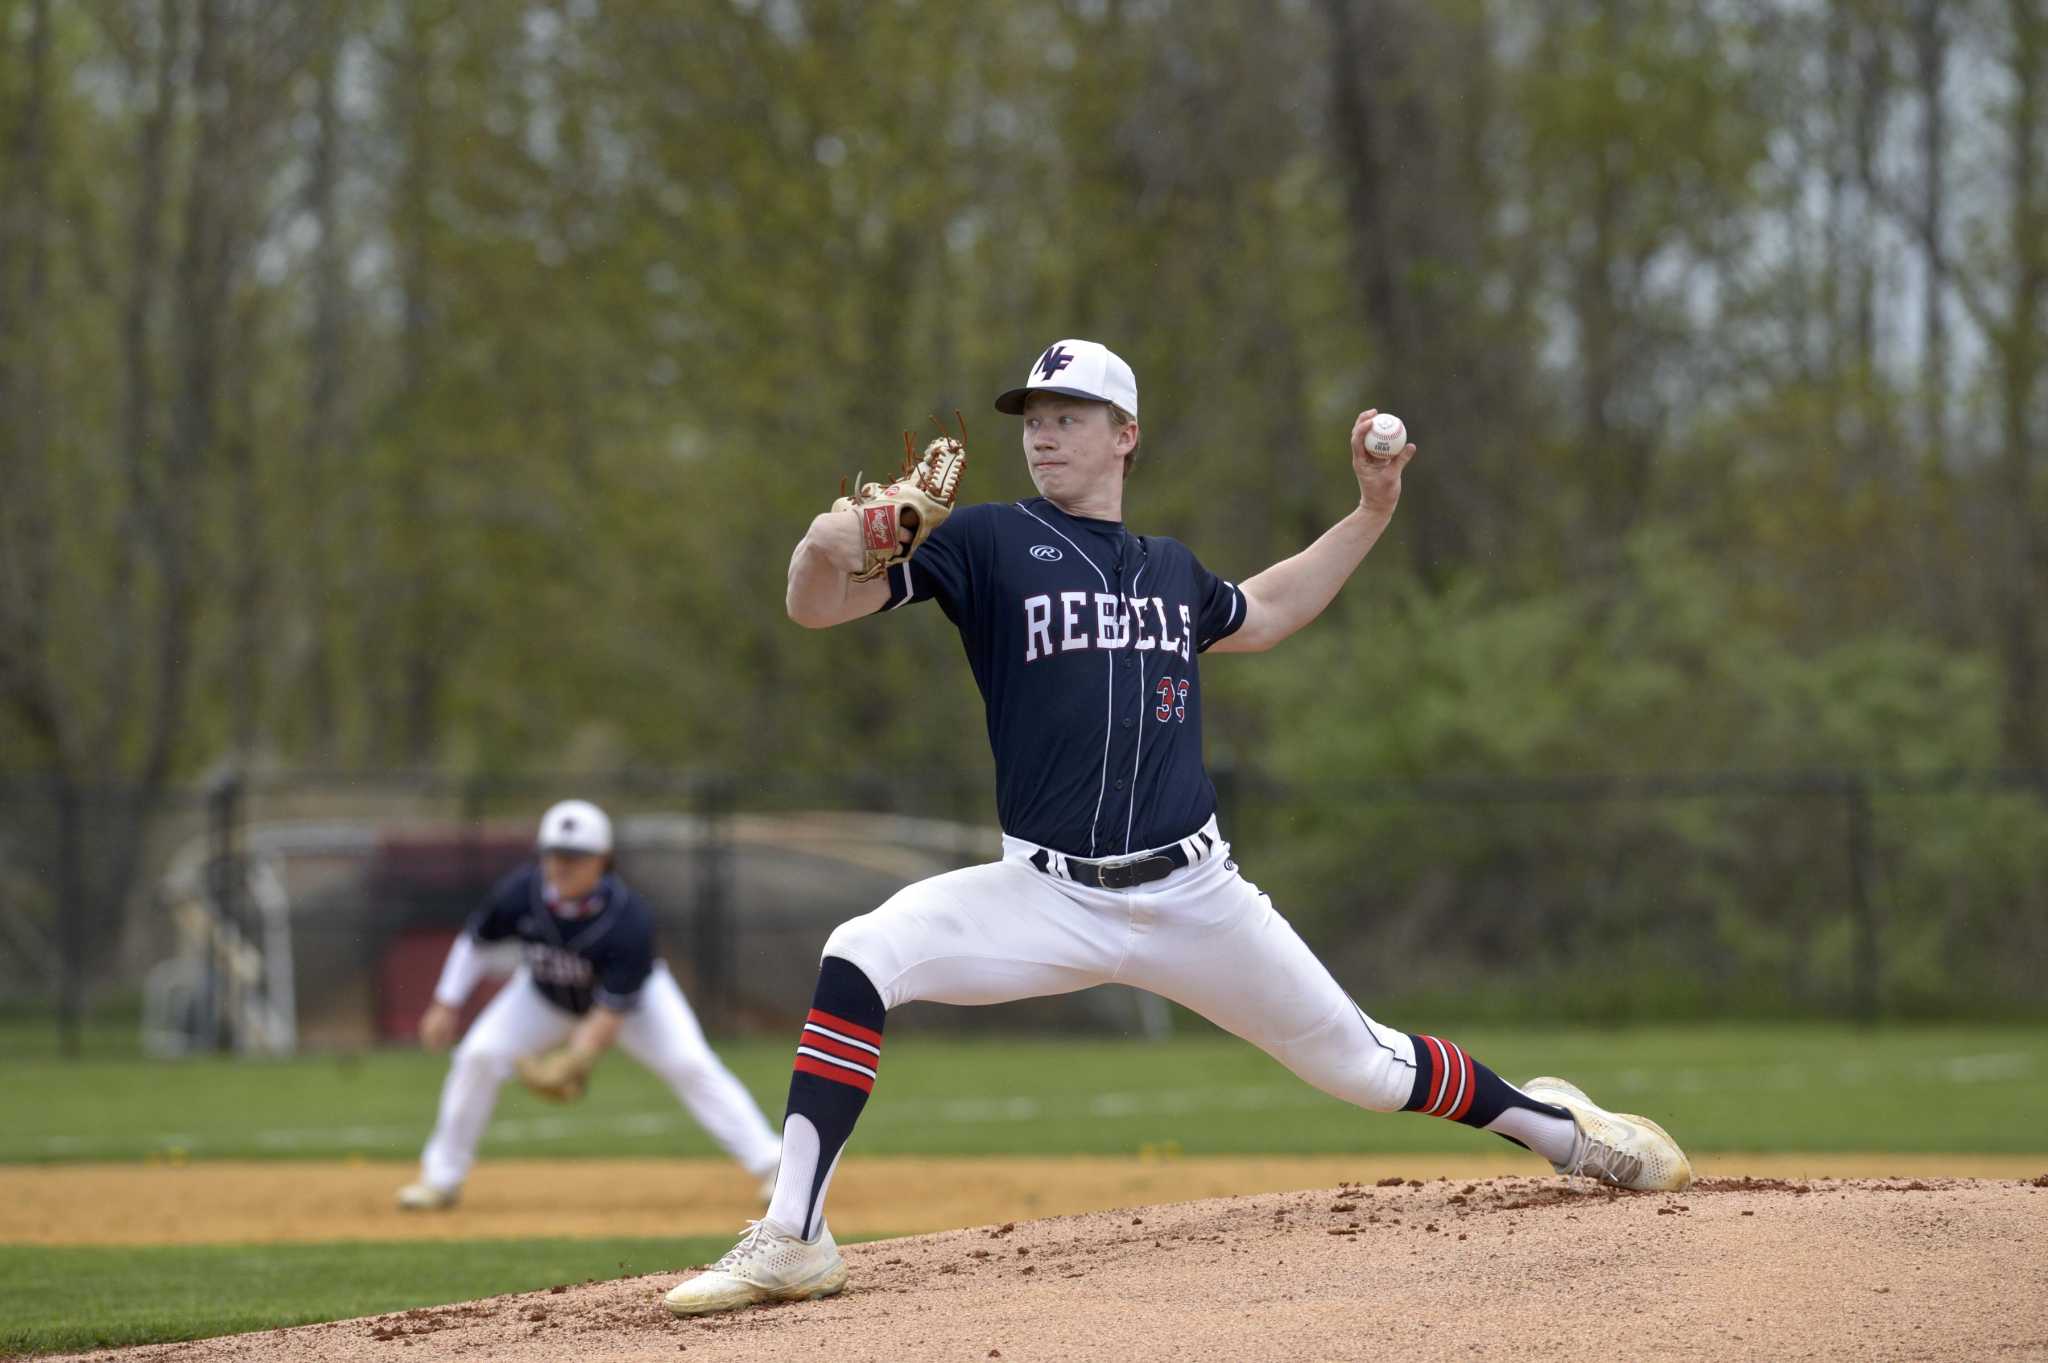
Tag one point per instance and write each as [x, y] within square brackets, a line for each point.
[1076, 369]
[1053, 361]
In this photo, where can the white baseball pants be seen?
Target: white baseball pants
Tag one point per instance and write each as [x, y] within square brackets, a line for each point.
[1204, 937]
[662, 1034]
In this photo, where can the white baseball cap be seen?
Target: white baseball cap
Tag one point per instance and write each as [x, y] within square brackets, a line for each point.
[575, 826]
[1076, 369]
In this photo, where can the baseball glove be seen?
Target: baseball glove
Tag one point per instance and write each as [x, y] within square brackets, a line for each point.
[560, 1076]
[916, 504]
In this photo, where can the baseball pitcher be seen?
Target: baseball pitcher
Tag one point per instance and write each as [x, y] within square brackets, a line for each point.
[1085, 638]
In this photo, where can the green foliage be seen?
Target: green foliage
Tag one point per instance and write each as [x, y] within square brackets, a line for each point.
[444, 386]
[1733, 901]
[614, 266]
[1666, 665]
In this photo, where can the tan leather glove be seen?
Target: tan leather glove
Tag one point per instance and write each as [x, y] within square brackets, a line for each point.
[561, 1075]
[916, 504]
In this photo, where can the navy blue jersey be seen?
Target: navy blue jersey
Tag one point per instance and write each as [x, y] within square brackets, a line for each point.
[1083, 639]
[602, 957]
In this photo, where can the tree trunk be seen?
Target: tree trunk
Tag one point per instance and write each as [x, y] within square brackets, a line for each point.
[324, 360]
[1413, 222]
[405, 637]
[25, 523]
[1835, 233]
[1620, 452]
[142, 532]
[1931, 52]
[1872, 95]
[1870, 44]
[2026, 574]
[27, 541]
[74, 921]
[250, 548]
[1369, 190]
[1930, 48]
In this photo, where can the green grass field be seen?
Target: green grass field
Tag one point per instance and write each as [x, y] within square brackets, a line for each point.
[1748, 1087]
[1794, 1088]
[53, 1299]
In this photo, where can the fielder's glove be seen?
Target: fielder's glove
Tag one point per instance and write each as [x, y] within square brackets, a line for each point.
[917, 503]
[560, 1076]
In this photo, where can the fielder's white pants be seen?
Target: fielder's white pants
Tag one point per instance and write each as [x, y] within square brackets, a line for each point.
[662, 1034]
[1204, 937]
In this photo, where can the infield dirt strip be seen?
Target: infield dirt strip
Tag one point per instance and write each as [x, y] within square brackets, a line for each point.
[1507, 1267]
[241, 1202]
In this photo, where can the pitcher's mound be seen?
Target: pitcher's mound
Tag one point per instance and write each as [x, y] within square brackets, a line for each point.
[1507, 1268]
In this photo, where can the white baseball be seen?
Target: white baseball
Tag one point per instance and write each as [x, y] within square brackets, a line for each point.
[1387, 436]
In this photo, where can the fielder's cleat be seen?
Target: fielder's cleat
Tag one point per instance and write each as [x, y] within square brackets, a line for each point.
[768, 1264]
[425, 1197]
[1614, 1147]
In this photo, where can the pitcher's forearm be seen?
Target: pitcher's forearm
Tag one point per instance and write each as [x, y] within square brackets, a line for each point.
[1296, 590]
[822, 591]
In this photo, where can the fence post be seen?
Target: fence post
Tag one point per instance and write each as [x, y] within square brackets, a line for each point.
[224, 882]
[1864, 962]
[712, 923]
[71, 925]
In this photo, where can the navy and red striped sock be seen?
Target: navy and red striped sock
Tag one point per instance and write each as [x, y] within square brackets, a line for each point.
[1450, 1083]
[837, 1056]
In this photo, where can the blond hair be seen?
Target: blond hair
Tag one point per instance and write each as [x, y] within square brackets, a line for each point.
[1118, 419]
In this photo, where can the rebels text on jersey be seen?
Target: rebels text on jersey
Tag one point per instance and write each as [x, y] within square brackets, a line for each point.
[603, 955]
[1083, 638]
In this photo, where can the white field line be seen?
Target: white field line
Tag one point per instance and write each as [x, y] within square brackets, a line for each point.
[1997, 1067]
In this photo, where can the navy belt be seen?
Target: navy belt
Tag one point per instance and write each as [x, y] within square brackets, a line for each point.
[1118, 873]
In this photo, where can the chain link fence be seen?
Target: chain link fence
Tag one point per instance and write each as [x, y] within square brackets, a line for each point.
[312, 909]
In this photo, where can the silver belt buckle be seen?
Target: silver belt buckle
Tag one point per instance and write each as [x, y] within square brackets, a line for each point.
[1123, 873]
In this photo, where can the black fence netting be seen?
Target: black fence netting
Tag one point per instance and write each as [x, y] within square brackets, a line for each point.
[313, 909]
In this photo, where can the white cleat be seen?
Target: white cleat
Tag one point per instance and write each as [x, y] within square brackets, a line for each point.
[1615, 1147]
[768, 1264]
[425, 1197]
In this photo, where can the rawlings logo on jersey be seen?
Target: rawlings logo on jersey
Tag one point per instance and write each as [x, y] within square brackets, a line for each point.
[1101, 620]
[1046, 553]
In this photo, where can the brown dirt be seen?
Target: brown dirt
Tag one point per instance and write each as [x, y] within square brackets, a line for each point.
[279, 1202]
[1763, 1268]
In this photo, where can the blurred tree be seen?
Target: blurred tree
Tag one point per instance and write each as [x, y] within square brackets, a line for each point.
[438, 385]
[111, 568]
[2017, 340]
[1930, 51]
[311, 667]
[1641, 134]
[1415, 113]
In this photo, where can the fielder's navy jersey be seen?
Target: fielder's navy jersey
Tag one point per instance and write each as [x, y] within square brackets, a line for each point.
[602, 957]
[1083, 639]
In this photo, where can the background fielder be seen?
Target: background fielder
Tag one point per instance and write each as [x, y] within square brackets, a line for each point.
[1083, 638]
[589, 977]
